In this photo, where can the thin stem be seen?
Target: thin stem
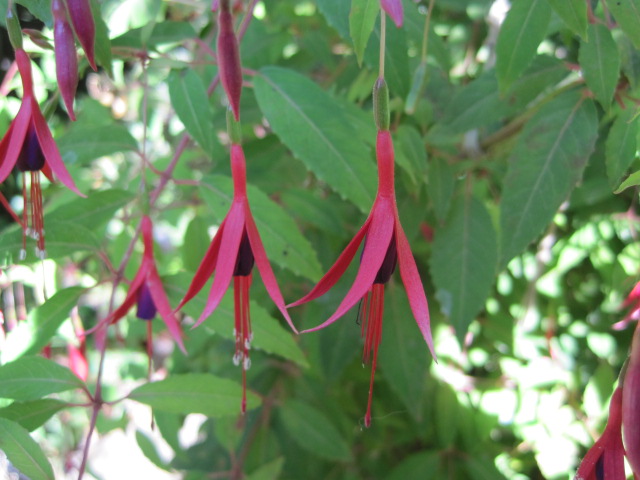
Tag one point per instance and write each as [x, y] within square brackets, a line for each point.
[425, 34]
[383, 35]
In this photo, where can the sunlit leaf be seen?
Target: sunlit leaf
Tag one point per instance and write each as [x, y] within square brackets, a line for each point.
[621, 146]
[627, 14]
[33, 414]
[362, 19]
[600, 62]
[23, 452]
[194, 393]
[31, 378]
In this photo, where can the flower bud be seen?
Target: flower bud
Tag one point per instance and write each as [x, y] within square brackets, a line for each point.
[13, 27]
[84, 26]
[66, 56]
[229, 59]
[381, 104]
[394, 10]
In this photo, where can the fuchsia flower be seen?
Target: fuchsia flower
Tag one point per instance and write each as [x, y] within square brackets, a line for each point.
[632, 302]
[385, 244]
[84, 26]
[147, 293]
[28, 144]
[605, 460]
[234, 250]
[66, 56]
[394, 10]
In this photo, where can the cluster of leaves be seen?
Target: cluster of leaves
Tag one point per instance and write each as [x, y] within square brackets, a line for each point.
[514, 136]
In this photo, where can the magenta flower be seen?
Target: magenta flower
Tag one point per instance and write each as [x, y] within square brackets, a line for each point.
[385, 244]
[234, 250]
[394, 10]
[605, 460]
[28, 144]
[147, 293]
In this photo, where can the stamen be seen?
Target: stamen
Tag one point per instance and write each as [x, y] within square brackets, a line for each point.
[242, 330]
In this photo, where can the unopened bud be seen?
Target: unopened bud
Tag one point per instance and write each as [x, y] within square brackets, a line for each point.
[381, 104]
[13, 27]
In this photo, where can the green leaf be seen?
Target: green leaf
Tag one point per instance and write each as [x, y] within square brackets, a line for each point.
[34, 414]
[268, 471]
[62, 239]
[284, 243]
[196, 242]
[362, 19]
[191, 103]
[404, 356]
[313, 431]
[621, 146]
[39, 8]
[31, 378]
[627, 14]
[194, 393]
[414, 467]
[149, 450]
[337, 14]
[545, 165]
[269, 334]
[522, 31]
[573, 13]
[464, 261]
[23, 452]
[162, 34]
[411, 153]
[631, 181]
[81, 144]
[91, 212]
[30, 336]
[299, 111]
[476, 105]
[441, 186]
[600, 62]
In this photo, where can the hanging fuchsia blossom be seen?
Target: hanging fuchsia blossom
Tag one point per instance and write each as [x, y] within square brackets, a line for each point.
[234, 250]
[393, 8]
[229, 58]
[605, 460]
[84, 26]
[147, 293]
[385, 244]
[28, 144]
[66, 56]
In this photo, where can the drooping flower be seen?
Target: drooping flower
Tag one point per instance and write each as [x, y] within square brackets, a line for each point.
[605, 460]
[229, 58]
[234, 250]
[631, 405]
[66, 56]
[84, 26]
[147, 293]
[632, 302]
[28, 144]
[394, 10]
[385, 244]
